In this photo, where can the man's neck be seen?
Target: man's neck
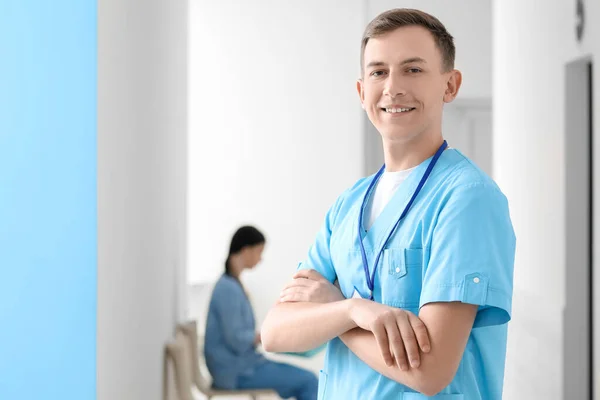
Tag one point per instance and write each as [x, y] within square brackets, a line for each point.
[400, 156]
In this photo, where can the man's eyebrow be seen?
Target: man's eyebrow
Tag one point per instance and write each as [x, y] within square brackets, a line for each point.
[375, 64]
[410, 60]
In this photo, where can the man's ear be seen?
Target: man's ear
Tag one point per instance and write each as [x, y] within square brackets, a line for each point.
[452, 85]
[361, 92]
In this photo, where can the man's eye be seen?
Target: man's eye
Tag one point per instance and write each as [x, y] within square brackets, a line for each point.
[414, 70]
[377, 73]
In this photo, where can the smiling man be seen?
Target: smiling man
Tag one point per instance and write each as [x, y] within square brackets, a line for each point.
[422, 251]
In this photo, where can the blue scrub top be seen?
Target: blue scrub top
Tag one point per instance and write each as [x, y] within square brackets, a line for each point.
[455, 244]
[230, 332]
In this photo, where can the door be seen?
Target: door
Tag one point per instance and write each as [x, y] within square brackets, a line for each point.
[577, 348]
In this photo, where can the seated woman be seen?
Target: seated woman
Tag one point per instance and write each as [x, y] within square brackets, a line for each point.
[231, 335]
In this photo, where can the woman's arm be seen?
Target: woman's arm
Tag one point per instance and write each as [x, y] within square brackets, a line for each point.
[230, 304]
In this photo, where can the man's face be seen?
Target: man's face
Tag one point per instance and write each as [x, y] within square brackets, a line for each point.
[403, 88]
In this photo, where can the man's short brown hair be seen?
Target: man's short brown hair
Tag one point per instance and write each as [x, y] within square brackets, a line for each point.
[391, 20]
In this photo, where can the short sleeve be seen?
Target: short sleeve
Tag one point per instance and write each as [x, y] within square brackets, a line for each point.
[472, 254]
[319, 256]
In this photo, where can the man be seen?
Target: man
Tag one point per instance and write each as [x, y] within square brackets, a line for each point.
[429, 234]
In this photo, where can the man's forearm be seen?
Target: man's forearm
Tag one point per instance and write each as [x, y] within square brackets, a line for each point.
[423, 379]
[449, 326]
[303, 326]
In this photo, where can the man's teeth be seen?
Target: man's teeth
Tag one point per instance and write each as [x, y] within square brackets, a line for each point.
[397, 110]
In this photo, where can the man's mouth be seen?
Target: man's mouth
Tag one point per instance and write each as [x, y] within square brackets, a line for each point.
[395, 110]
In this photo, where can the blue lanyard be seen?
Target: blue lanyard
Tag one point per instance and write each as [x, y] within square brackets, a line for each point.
[371, 277]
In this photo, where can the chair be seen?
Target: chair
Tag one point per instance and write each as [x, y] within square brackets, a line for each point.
[199, 374]
[177, 351]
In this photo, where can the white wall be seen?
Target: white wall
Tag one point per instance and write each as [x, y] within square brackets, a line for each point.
[469, 21]
[142, 95]
[274, 123]
[531, 46]
[275, 130]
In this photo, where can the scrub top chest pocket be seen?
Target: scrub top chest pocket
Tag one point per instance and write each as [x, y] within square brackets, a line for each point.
[400, 274]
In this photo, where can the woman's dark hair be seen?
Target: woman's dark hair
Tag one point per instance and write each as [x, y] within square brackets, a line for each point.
[244, 237]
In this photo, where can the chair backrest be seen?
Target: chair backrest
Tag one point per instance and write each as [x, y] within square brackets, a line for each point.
[200, 375]
[179, 353]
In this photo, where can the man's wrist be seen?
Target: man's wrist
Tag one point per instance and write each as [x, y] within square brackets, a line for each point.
[350, 307]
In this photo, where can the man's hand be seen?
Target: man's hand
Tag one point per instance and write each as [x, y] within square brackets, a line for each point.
[310, 286]
[399, 333]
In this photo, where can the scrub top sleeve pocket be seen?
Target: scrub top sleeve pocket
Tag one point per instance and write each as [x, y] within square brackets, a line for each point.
[494, 304]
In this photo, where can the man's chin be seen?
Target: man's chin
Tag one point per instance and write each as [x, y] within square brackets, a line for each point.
[399, 136]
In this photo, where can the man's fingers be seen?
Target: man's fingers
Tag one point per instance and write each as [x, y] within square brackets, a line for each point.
[291, 298]
[309, 274]
[421, 332]
[293, 295]
[384, 346]
[396, 344]
[298, 283]
[410, 341]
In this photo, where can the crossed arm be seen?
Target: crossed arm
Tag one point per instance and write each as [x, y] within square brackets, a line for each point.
[312, 311]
